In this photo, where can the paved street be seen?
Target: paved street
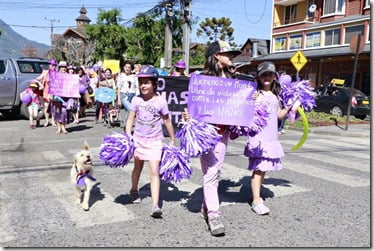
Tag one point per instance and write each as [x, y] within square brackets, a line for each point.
[320, 199]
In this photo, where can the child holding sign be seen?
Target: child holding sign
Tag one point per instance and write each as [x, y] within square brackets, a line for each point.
[264, 149]
[218, 60]
[149, 110]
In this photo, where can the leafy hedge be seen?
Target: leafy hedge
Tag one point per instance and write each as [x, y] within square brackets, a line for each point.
[321, 118]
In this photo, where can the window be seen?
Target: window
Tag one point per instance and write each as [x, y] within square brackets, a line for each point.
[367, 4]
[290, 14]
[280, 44]
[2, 67]
[313, 39]
[295, 42]
[332, 37]
[351, 31]
[310, 14]
[333, 7]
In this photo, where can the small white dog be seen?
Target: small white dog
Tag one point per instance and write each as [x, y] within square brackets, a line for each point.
[81, 175]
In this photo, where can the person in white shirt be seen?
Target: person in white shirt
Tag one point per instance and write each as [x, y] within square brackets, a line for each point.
[127, 86]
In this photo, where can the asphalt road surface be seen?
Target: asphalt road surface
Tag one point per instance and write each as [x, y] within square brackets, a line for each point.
[320, 199]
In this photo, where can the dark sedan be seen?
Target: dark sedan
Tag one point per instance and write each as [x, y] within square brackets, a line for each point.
[334, 100]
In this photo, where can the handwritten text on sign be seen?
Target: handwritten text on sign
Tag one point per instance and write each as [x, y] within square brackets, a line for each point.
[63, 84]
[221, 100]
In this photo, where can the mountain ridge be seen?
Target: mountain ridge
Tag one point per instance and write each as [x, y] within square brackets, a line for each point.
[12, 43]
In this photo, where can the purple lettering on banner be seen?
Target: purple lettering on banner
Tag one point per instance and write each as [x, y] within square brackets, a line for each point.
[221, 100]
[63, 84]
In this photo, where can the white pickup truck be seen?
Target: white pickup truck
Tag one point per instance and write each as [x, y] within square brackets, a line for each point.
[15, 75]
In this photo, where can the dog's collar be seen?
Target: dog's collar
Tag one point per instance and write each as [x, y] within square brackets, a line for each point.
[80, 177]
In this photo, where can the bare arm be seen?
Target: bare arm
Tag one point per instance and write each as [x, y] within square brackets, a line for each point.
[282, 113]
[169, 128]
[130, 122]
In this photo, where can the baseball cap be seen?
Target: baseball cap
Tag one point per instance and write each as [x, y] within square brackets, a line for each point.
[265, 66]
[220, 47]
[148, 71]
[33, 84]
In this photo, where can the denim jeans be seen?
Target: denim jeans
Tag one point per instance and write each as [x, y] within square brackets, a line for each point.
[126, 101]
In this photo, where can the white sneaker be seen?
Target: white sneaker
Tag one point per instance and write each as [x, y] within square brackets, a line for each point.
[260, 208]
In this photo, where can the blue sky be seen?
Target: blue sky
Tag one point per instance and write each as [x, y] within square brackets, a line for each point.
[31, 19]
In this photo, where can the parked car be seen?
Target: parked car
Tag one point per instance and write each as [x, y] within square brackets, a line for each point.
[334, 100]
[15, 75]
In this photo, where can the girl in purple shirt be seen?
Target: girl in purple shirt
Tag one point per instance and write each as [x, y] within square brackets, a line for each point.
[148, 110]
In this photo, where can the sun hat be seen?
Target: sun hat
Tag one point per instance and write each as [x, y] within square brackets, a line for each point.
[180, 64]
[220, 47]
[62, 64]
[53, 62]
[265, 66]
[71, 67]
[148, 71]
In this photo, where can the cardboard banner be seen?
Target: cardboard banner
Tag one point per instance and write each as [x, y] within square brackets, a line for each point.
[63, 84]
[221, 100]
[112, 64]
[175, 91]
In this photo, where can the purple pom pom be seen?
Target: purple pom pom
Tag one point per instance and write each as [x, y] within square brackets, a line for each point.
[298, 91]
[260, 120]
[117, 149]
[174, 164]
[236, 131]
[197, 138]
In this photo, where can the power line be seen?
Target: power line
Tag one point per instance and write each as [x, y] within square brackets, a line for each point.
[261, 16]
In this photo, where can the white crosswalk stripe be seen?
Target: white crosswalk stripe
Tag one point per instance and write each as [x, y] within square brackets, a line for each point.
[99, 214]
[321, 173]
[361, 165]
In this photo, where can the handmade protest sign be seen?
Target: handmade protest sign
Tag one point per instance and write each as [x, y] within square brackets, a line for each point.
[63, 84]
[221, 100]
[112, 64]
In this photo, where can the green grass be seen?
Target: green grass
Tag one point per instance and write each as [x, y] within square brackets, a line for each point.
[314, 118]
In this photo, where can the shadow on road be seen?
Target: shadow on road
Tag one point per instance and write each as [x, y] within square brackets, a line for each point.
[96, 195]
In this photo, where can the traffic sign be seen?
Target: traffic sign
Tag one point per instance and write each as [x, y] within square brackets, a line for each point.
[298, 60]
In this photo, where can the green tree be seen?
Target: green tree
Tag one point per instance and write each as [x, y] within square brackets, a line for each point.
[216, 29]
[198, 56]
[107, 36]
[146, 38]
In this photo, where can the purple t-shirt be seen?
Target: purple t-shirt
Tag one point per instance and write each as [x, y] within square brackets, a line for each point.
[148, 120]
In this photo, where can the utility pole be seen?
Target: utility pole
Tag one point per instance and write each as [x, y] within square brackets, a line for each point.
[52, 21]
[168, 36]
[186, 5]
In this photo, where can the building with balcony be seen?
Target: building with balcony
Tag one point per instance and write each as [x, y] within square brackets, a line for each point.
[322, 30]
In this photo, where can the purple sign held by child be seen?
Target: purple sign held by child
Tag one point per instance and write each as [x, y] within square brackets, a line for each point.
[221, 100]
[63, 84]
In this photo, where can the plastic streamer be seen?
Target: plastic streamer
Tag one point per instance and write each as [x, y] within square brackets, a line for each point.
[306, 129]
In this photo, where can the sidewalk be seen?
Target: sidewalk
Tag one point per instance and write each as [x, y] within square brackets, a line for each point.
[354, 130]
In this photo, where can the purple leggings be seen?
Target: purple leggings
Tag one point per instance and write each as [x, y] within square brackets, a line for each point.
[211, 165]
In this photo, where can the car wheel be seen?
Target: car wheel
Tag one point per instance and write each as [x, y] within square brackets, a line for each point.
[360, 117]
[336, 110]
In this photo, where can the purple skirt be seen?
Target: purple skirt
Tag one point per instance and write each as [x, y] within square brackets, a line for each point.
[59, 113]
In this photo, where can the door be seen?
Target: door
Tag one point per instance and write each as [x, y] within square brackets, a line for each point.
[8, 84]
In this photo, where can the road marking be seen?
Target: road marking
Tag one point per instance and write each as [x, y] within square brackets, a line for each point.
[12, 159]
[52, 156]
[320, 173]
[236, 174]
[361, 165]
[101, 212]
[6, 230]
